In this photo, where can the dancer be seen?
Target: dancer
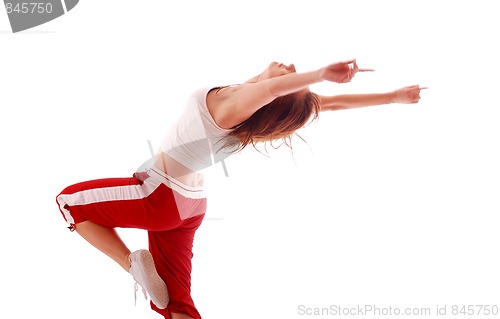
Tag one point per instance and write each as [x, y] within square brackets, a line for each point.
[166, 196]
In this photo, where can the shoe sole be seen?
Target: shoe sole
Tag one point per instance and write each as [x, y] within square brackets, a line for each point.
[154, 282]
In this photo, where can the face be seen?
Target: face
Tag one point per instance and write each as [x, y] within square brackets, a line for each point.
[274, 69]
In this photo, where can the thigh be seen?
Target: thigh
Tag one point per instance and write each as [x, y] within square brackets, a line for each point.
[120, 202]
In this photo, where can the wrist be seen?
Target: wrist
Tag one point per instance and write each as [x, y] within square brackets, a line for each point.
[319, 75]
[392, 97]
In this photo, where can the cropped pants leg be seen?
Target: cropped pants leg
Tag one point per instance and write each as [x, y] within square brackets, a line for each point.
[170, 211]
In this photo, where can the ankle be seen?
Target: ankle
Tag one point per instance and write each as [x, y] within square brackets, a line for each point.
[126, 262]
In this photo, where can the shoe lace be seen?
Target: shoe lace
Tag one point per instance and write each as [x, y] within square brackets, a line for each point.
[136, 288]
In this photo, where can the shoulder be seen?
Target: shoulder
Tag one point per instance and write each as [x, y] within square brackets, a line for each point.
[221, 102]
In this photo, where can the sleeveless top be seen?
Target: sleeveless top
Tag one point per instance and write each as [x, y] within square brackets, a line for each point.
[195, 141]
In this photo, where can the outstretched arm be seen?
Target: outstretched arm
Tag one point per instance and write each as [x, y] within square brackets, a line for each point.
[239, 103]
[250, 97]
[405, 95]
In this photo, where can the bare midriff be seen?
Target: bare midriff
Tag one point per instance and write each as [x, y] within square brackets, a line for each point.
[178, 171]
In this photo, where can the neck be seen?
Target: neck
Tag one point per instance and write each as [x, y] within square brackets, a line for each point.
[254, 79]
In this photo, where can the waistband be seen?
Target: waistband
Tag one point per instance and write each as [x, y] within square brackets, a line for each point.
[172, 183]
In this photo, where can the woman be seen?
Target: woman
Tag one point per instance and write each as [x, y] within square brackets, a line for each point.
[166, 196]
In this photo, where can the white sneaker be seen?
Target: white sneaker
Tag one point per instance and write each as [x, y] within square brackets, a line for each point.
[143, 270]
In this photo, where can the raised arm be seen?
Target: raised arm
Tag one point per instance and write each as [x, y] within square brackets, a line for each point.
[253, 96]
[405, 95]
[250, 97]
[235, 104]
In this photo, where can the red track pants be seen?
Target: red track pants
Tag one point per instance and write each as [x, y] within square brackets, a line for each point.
[170, 212]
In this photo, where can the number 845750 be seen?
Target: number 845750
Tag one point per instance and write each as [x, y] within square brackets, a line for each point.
[29, 7]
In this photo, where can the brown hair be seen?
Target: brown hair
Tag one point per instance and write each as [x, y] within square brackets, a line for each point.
[277, 120]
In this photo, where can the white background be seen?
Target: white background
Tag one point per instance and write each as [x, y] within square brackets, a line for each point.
[393, 205]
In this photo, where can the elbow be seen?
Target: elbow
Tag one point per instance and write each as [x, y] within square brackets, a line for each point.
[274, 91]
[334, 107]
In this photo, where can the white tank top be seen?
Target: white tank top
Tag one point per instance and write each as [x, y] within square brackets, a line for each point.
[192, 143]
[195, 140]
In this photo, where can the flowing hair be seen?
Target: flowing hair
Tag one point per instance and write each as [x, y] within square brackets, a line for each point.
[277, 120]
